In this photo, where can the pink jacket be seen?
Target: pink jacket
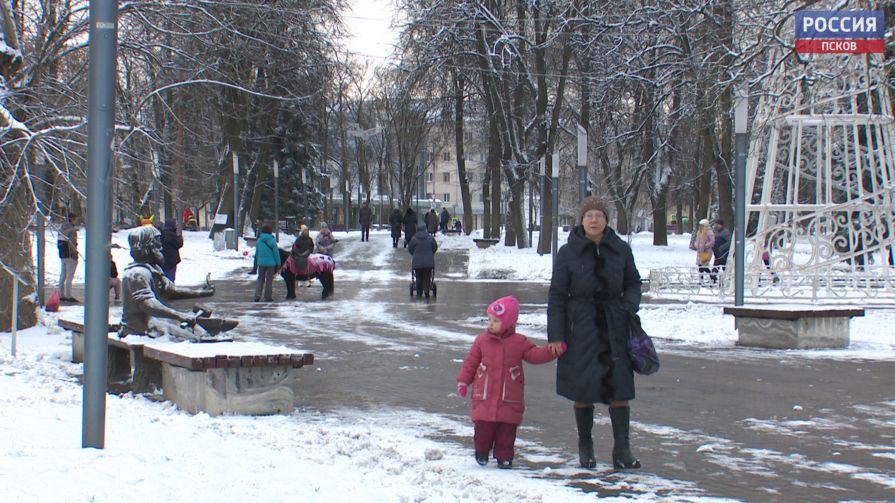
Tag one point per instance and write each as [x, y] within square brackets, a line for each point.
[494, 368]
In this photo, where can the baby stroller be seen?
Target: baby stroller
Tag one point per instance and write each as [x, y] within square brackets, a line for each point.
[432, 287]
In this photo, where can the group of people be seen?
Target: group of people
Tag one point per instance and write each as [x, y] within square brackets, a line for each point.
[711, 244]
[408, 223]
[594, 290]
[67, 247]
[305, 261]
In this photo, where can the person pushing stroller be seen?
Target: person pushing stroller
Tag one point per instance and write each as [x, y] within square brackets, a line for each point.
[423, 247]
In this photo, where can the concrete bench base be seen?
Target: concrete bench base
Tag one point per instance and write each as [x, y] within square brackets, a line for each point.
[252, 390]
[216, 378]
[792, 328]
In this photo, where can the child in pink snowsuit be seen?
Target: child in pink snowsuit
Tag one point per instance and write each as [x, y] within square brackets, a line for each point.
[494, 368]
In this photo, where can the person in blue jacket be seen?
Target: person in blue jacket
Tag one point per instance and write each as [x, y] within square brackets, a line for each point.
[268, 256]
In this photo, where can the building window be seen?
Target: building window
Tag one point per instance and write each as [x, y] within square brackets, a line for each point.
[446, 197]
[445, 156]
[446, 177]
[429, 176]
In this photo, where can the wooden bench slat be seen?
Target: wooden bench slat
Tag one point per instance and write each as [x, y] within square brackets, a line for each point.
[79, 328]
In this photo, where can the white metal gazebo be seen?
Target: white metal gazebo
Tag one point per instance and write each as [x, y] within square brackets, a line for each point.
[820, 186]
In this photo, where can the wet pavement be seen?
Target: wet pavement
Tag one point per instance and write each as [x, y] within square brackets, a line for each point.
[739, 423]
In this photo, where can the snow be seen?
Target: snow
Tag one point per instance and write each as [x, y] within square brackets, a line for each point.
[154, 452]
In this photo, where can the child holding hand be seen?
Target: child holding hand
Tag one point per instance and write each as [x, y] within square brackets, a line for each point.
[494, 368]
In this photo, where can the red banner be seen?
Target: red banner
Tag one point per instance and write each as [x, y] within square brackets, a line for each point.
[832, 46]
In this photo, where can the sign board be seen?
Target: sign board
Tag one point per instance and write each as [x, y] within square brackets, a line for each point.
[840, 32]
[221, 219]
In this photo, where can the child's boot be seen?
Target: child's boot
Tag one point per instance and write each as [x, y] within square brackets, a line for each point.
[481, 458]
[622, 458]
[504, 464]
[584, 418]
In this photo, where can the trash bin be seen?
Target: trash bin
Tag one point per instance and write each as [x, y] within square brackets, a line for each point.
[219, 243]
[230, 238]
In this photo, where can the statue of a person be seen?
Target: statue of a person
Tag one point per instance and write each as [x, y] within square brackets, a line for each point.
[144, 286]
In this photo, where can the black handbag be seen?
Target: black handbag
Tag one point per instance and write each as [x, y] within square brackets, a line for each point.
[643, 355]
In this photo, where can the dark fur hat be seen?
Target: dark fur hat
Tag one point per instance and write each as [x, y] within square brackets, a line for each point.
[593, 203]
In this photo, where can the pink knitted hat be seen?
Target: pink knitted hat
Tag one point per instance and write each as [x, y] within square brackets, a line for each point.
[505, 309]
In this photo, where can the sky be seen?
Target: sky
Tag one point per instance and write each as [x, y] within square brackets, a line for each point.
[154, 452]
[369, 23]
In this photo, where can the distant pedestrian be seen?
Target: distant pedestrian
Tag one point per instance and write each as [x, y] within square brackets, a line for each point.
[295, 267]
[395, 221]
[365, 217]
[721, 248]
[326, 243]
[702, 243]
[185, 218]
[445, 218]
[494, 369]
[268, 261]
[423, 247]
[67, 244]
[321, 266]
[432, 222]
[172, 242]
[114, 280]
[410, 224]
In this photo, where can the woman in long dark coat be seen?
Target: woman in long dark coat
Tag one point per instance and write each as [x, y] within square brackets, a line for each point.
[409, 225]
[595, 286]
[396, 221]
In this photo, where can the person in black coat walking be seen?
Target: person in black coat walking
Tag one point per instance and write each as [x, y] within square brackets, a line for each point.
[409, 225]
[172, 242]
[445, 218]
[594, 289]
[395, 221]
[423, 247]
[720, 249]
[365, 218]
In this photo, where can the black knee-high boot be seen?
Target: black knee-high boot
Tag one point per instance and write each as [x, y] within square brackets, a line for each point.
[622, 457]
[584, 418]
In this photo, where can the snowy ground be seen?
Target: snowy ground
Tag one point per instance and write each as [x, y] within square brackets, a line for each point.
[153, 452]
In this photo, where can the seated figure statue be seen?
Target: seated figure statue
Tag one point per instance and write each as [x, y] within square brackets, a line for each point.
[144, 285]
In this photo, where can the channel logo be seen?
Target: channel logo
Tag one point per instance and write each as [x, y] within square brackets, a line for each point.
[840, 32]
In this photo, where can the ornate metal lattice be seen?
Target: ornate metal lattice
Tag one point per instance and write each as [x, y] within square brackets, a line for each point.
[819, 184]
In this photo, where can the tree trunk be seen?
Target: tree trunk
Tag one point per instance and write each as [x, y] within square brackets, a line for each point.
[516, 215]
[459, 95]
[15, 253]
[660, 221]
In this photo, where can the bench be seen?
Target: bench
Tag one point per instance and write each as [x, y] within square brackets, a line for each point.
[228, 377]
[485, 243]
[124, 358]
[216, 377]
[451, 232]
[792, 327]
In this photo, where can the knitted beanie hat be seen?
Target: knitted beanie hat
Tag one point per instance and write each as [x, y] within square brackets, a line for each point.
[505, 309]
[593, 203]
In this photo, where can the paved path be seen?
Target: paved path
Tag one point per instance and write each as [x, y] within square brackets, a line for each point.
[745, 424]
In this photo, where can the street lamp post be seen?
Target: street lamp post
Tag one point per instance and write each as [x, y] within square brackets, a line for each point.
[555, 198]
[235, 159]
[582, 163]
[276, 198]
[741, 115]
[542, 169]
